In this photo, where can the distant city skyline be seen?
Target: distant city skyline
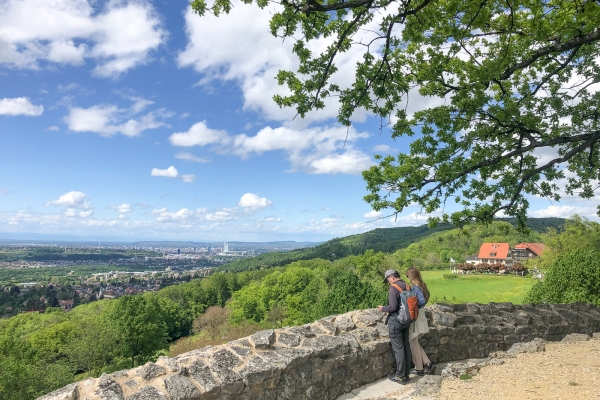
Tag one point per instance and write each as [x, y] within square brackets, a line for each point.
[133, 119]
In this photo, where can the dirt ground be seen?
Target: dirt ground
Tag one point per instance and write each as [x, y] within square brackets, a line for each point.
[563, 371]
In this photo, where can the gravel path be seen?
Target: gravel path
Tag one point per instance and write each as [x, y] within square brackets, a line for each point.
[563, 371]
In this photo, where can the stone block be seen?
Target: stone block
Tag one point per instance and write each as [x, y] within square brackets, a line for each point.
[327, 325]
[576, 337]
[263, 339]
[256, 370]
[223, 364]
[443, 319]
[150, 371]
[69, 392]
[368, 317]
[596, 336]
[148, 393]
[108, 389]
[181, 388]
[201, 373]
[344, 323]
[535, 346]
[429, 385]
[288, 339]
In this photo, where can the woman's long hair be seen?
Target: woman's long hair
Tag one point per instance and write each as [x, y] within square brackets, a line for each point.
[414, 276]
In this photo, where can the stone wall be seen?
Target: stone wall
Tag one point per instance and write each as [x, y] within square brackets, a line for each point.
[331, 356]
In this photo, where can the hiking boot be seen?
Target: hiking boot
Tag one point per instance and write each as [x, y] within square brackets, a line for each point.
[430, 368]
[403, 380]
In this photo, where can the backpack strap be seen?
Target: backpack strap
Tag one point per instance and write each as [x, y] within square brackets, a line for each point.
[398, 287]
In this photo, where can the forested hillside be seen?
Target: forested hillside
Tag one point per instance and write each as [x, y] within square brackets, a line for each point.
[389, 240]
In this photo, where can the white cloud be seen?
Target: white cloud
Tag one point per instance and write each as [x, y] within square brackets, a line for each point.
[53, 128]
[253, 202]
[247, 53]
[73, 199]
[190, 157]
[109, 120]
[170, 172]
[119, 36]
[198, 135]
[373, 214]
[564, 212]
[314, 150]
[220, 216]
[4, 191]
[188, 178]
[350, 162]
[123, 208]
[86, 214]
[19, 106]
[270, 219]
[382, 148]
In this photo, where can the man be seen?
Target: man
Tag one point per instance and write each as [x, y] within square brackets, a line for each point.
[398, 333]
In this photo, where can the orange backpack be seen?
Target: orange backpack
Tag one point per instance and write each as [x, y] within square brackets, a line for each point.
[408, 305]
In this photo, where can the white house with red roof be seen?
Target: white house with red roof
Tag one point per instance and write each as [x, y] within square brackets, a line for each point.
[494, 253]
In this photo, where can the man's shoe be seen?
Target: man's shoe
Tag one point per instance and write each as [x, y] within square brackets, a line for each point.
[403, 380]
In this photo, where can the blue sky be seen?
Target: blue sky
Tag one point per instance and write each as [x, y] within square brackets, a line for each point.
[139, 119]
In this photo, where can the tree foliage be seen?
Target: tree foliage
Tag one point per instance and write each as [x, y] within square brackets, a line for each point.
[511, 92]
[573, 277]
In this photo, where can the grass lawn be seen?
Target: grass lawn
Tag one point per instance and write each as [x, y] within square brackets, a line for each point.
[476, 288]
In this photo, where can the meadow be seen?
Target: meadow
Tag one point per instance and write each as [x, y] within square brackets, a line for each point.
[477, 288]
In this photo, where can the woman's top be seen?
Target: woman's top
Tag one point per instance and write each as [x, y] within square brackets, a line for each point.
[420, 296]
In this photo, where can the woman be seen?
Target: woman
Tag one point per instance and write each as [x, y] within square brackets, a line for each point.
[419, 327]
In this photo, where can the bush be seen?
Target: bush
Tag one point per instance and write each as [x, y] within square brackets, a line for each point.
[572, 277]
[450, 276]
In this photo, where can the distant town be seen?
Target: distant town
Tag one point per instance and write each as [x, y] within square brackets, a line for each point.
[35, 276]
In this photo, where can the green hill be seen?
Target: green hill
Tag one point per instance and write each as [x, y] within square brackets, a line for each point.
[390, 240]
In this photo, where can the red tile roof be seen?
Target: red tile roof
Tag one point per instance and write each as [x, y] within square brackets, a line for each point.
[537, 248]
[499, 251]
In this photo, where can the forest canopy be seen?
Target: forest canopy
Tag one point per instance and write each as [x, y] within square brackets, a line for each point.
[507, 95]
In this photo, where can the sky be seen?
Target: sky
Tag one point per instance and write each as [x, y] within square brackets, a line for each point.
[141, 120]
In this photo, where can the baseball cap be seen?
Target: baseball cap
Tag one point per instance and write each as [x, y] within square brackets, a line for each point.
[388, 273]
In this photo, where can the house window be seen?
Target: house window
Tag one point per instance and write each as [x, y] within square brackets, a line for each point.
[492, 254]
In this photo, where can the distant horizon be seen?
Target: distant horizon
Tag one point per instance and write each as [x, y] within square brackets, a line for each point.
[57, 237]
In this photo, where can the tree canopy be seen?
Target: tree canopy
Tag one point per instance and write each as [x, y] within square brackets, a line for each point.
[510, 89]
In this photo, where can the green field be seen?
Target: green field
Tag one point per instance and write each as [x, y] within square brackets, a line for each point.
[477, 288]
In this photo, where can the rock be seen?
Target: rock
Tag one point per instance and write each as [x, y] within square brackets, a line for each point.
[69, 392]
[428, 385]
[181, 388]
[327, 324]
[368, 317]
[288, 339]
[263, 339]
[202, 374]
[148, 393]
[241, 351]
[150, 371]
[223, 363]
[344, 323]
[596, 336]
[108, 389]
[576, 337]
[172, 364]
[535, 346]
[455, 370]
[131, 383]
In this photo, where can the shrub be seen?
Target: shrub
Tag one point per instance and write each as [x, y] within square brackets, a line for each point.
[450, 276]
[572, 277]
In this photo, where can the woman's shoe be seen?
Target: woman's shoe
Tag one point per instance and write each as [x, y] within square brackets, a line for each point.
[430, 368]
[417, 372]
